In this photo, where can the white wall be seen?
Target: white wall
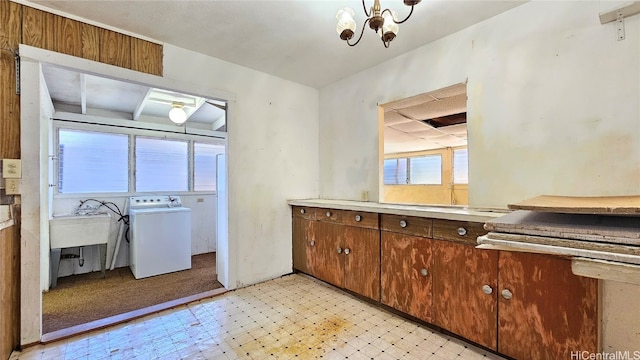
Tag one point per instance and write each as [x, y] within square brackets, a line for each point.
[272, 156]
[553, 108]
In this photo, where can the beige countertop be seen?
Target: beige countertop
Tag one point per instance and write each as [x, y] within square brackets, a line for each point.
[453, 212]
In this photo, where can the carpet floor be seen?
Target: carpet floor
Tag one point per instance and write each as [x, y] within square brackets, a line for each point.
[79, 299]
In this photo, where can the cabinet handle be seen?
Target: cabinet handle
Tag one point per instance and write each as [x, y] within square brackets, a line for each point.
[301, 211]
[339, 250]
[328, 213]
[506, 294]
[403, 224]
[358, 218]
[347, 251]
[487, 289]
[424, 272]
[312, 242]
[462, 231]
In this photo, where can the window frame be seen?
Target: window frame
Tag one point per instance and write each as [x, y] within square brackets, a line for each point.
[131, 132]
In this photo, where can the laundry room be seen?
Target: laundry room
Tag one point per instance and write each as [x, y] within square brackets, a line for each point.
[133, 196]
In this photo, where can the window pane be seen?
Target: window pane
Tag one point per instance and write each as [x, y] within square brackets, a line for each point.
[92, 162]
[161, 165]
[395, 171]
[426, 170]
[460, 166]
[204, 171]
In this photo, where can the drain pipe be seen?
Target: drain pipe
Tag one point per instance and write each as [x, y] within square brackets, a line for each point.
[81, 257]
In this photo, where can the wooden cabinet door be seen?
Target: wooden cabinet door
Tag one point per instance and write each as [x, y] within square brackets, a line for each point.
[362, 261]
[462, 276]
[303, 245]
[328, 260]
[551, 312]
[404, 285]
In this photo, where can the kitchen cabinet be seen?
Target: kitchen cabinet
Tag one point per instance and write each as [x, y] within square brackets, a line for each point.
[339, 247]
[406, 265]
[464, 283]
[303, 228]
[348, 253]
[545, 311]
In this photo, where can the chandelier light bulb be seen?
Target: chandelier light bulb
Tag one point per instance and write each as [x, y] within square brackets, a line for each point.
[346, 24]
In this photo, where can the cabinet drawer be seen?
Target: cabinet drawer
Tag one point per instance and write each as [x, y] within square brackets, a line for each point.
[461, 231]
[410, 225]
[329, 215]
[304, 212]
[360, 219]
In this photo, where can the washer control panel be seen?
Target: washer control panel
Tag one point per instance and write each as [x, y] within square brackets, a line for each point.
[154, 201]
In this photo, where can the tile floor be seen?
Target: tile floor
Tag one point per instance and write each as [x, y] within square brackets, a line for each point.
[293, 317]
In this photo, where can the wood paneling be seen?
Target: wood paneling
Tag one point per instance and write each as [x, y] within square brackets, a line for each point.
[403, 286]
[115, 48]
[416, 226]
[362, 263]
[328, 263]
[9, 25]
[67, 36]
[9, 101]
[460, 305]
[38, 28]
[552, 312]
[450, 230]
[10, 287]
[90, 42]
[146, 56]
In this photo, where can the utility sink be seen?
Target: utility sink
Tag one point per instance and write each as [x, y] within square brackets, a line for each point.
[72, 230]
[78, 230]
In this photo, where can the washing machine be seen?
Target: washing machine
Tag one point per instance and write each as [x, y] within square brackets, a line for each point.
[160, 235]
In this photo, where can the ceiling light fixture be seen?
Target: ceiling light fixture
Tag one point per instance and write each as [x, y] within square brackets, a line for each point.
[385, 21]
[177, 113]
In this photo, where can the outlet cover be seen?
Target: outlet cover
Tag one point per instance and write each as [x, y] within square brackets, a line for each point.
[11, 168]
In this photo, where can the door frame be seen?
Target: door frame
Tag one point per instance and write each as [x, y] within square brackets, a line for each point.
[36, 128]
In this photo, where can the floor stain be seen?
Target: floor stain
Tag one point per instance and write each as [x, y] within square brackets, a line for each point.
[308, 342]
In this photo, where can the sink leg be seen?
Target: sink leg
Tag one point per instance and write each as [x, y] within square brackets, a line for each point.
[55, 266]
[102, 248]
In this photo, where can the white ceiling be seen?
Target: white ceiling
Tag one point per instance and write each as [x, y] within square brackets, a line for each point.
[292, 39]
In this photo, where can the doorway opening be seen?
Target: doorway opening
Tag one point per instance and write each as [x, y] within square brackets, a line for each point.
[83, 105]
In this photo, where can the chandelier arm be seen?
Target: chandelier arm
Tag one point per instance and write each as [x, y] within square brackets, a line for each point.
[364, 6]
[398, 22]
[361, 33]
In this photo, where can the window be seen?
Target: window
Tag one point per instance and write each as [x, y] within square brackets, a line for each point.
[425, 170]
[161, 165]
[204, 172]
[460, 166]
[92, 162]
[395, 171]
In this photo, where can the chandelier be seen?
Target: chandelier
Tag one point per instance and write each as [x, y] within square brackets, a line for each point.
[385, 21]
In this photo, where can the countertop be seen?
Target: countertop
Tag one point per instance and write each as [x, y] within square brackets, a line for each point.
[459, 213]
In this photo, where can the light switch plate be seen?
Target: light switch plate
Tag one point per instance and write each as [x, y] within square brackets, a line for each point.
[12, 186]
[11, 168]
